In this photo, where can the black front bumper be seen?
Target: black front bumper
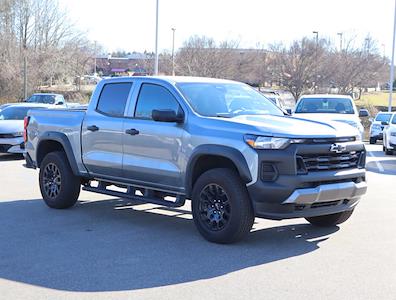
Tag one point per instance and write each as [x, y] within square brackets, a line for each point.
[293, 193]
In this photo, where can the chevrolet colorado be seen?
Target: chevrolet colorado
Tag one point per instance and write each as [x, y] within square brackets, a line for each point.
[219, 143]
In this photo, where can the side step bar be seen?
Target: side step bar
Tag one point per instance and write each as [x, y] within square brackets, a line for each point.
[130, 194]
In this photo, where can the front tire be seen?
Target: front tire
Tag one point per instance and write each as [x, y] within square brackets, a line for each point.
[330, 220]
[59, 187]
[221, 206]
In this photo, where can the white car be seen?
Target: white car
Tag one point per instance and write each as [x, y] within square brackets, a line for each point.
[376, 128]
[325, 108]
[11, 126]
[389, 136]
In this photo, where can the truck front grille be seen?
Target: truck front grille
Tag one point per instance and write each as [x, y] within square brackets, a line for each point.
[324, 162]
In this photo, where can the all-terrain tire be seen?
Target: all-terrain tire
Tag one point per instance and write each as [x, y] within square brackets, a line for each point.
[330, 220]
[59, 187]
[221, 206]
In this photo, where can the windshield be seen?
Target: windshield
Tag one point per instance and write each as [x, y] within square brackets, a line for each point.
[394, 119]
[48, 99]
[227, 100]
[325, 105]
[383, 117]
[14, 113]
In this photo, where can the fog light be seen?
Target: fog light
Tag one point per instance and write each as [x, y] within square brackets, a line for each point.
[268, 172]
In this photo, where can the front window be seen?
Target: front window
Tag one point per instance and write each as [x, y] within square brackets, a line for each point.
[394, 119]
[14, 113]
[325, 106]
[383, 117]
[227, 100]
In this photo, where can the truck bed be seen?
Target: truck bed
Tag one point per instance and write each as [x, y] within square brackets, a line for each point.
[65, 120]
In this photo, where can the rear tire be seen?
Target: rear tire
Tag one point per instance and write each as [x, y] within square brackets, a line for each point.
[373, 141]
[221, 206]
[388, 152]
[330, 220]
[59, 187]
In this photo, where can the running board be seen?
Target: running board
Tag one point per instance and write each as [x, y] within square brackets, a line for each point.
[101, 189]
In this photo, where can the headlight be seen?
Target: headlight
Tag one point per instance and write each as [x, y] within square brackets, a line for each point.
[393, 133]
[267, 142]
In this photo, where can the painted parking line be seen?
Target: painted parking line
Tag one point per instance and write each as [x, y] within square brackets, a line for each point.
[377, 163]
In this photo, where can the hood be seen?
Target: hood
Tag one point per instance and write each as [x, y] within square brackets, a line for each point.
[328, 117]
[293, 127]
[11, 126]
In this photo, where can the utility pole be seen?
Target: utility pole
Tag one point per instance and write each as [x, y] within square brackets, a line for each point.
[316, 58]
[173, 51]
[95, 58]
[340, 35]
[24, 75]
[392, 62]
[156, 40]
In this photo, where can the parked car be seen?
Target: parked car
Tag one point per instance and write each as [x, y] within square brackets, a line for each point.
[11, 127]
[273, 96]
[324, 108]
[219, 143]
[389, 135]
[47, 98]
[376, 128]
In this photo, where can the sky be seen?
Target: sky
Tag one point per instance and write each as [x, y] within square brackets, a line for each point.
[130, 24]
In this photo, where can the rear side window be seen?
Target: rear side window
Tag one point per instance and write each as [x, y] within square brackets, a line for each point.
[113, 99]
[152, 96]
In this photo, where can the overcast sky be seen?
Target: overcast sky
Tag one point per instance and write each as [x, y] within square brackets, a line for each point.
[130, 24]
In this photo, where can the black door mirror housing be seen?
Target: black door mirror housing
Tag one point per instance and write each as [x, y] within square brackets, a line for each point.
[289, 111]
[384, 123]
[363, 113]
[167, 115]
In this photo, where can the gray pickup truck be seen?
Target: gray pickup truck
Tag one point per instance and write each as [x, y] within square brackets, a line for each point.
[219, 143]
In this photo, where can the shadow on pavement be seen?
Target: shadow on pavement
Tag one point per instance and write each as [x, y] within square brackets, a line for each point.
[111, 246]
[388, 165]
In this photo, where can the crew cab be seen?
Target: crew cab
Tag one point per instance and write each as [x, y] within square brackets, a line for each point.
[219, 143]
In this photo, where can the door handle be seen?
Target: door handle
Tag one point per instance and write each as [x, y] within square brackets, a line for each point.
[132, 131]
[93, 128]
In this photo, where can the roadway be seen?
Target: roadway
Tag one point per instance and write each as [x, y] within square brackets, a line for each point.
[107, 248]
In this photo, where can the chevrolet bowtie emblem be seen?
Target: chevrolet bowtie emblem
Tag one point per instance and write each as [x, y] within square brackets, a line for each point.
[337, 148]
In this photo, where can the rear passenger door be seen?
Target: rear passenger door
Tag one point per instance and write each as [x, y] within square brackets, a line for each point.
[152, 155]
[102, 131]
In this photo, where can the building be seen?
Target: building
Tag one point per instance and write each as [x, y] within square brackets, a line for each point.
[132, 64]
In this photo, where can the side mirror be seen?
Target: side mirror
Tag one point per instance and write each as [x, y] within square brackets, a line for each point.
[384, 123]
[167, 115]
[59, 103]
[289, 111]
[363, 113]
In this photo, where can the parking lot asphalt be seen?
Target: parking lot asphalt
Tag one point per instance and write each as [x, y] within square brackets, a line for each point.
[108, 248]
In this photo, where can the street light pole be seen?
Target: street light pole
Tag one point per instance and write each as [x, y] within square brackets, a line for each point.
[316, 58]
[156, 40]
[316, 33]
[95, 58]
[392, 67]
[173, 51]
[340, 35]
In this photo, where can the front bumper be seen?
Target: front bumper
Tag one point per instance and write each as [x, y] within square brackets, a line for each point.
[292, 195]
[12, 145]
